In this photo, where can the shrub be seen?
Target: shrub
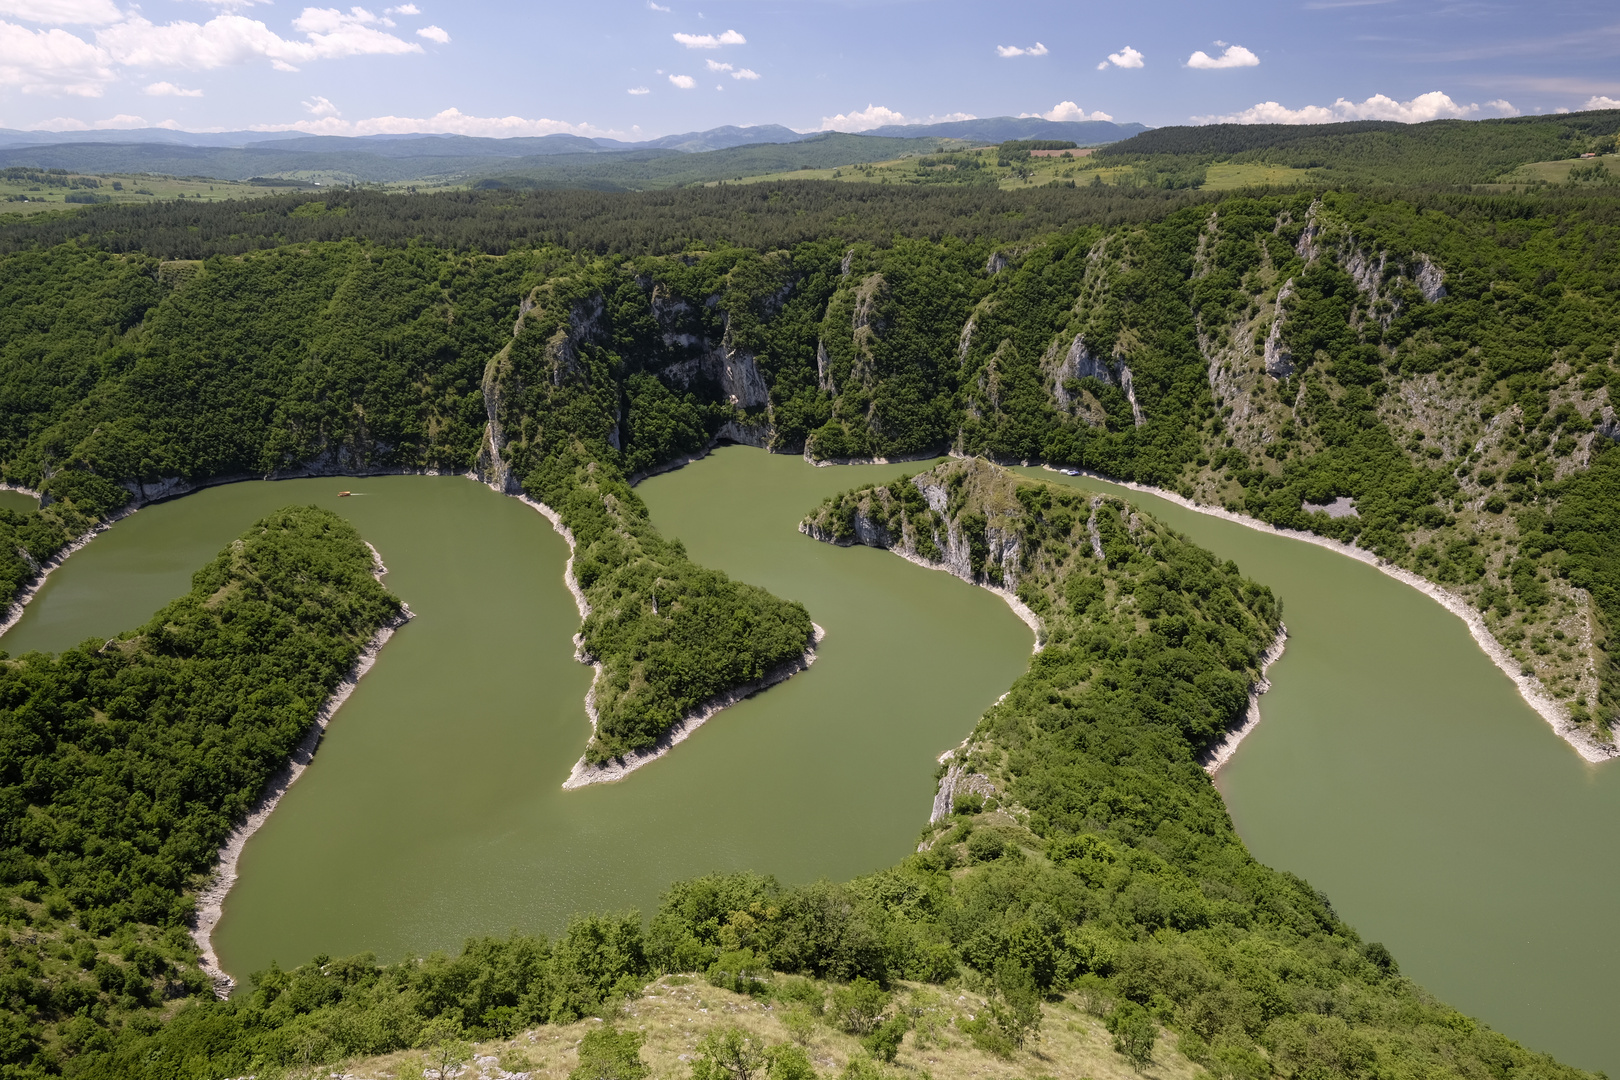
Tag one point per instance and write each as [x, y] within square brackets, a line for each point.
[858, 1007]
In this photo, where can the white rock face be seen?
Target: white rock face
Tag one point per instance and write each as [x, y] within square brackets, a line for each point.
[1279, 361]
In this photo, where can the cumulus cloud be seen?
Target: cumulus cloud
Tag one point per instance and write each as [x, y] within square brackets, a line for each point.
[711, 41]
[449, 122]
[1036, 49]
[745, 73]
[58, 62]
[319, 106]
[683, 82]
[1431, 106]
[653, 5]
[876, 116]
[1600, 101]
[1068, 110]
[168, 89]
[1125, 58]
[1503, 107]
[434, 34]
[716, 65]
[638, 90]
[1235, 56]
[58, 12]
[403, 9]
[51, 61]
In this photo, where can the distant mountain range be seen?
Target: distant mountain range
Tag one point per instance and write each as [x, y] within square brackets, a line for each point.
[991, 130]
[548, 160]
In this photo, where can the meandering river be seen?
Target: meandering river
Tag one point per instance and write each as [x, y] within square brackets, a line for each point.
[1395, 768]
[1398, 771]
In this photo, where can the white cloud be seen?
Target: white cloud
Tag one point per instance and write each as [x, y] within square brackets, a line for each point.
[449, 122]
[56, 12]
[1431, 106]
[638, 90]
[710, 41]
[683, 82]
[319, 106]
[1036, 49]
[875, 116]
[1235, 56]
[434, 34]
[1503, 107]
[121, 121]
[330, 34]
[715, 65]
[1600, 101]
[234, 4]
[51, 62]
[1125, 58]
[870, 117]
[653, 6]
[168, 89]
[745, 73]
[57, 62]
[403, 9]
[1068, 110]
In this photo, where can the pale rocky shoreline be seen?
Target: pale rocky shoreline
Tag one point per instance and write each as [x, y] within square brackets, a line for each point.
[1220, 753]
[584, 773]
[1529, 687]
[211, 897]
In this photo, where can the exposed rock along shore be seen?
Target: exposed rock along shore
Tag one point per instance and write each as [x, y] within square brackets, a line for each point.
[1530, 687]
[14, 611]
[1019, 608]
[211, 898]
[1220, 753]
[585, 774]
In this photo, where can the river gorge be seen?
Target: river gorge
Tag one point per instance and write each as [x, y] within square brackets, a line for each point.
[1395, 768]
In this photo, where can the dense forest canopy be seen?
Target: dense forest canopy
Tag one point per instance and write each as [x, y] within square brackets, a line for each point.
[1436, 368]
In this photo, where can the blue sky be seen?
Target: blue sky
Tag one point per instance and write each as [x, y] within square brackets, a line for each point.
[639, 68]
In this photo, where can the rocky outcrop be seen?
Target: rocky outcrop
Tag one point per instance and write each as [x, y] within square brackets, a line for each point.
[1279, 361]
[1079, 362]
[958, 781]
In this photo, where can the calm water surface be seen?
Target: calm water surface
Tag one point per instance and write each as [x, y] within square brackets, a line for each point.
[434, 808]
[1397, 770]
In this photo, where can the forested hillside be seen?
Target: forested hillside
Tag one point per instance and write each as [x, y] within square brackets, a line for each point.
[1377, 151]
[126, 764]
[1429, 375]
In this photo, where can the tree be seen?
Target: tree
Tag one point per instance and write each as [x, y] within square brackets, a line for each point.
[859, 1006]
[1016, 1006]
[789, 1062]
[728, 1054]
[1135, 1031]
[447, 1053]
[607, 1053]
[884, 1041]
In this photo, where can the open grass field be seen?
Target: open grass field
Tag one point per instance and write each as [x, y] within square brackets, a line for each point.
[1558, 172]
[674, 1013]
[21, 196]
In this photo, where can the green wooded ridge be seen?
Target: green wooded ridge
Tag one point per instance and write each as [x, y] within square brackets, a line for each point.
[1131, 339]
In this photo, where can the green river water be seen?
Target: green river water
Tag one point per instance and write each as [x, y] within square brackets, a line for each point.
[1395, 768]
